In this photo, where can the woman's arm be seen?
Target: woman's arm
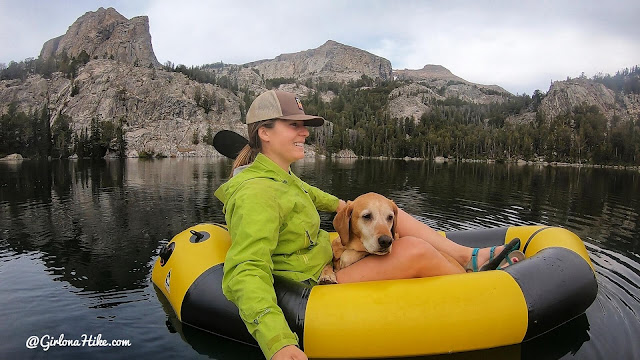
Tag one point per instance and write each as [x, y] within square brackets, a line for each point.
[253, 219]
[323, 201]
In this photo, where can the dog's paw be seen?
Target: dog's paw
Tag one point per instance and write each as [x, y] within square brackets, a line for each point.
[328, 279]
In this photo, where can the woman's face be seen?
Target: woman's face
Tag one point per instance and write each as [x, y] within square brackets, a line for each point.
[284, 143]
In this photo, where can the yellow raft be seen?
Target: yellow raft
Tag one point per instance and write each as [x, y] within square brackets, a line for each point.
[445, 314]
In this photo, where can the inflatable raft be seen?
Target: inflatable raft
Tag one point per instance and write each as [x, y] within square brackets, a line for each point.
[454, 313]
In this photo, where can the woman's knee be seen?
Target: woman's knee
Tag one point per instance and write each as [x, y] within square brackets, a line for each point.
[415, 255]
[413, 247]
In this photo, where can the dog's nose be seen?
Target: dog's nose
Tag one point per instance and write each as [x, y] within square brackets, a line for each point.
[385, 241]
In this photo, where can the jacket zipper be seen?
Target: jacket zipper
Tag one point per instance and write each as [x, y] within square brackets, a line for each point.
[263, 313]
[311, 243]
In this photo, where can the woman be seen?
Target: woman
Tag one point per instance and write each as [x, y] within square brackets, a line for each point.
[274, 224]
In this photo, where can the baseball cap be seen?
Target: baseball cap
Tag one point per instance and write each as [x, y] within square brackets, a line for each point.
[280, 105]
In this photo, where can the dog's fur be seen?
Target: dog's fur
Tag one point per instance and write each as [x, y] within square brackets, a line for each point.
[367, 225]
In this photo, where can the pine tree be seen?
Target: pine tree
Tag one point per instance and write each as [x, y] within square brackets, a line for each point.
[121, 141]
[61, 136]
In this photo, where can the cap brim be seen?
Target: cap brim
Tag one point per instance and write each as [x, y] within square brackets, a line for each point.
[308, 119]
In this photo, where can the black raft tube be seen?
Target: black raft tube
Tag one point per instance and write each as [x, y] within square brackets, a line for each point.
[558, 285]
[205, 306]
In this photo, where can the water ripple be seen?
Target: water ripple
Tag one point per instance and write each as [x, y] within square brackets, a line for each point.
[616, 310]
[79, 251]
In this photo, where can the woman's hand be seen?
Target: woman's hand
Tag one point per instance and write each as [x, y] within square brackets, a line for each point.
[289, 352]
[341, 205]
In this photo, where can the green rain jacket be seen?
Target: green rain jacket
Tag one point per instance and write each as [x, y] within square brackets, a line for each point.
[274, 224]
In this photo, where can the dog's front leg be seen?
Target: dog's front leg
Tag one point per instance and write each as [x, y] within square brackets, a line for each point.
[328, 276]
[351, 256]
[337, 248]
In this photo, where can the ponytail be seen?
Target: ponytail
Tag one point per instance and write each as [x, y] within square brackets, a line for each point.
[251, 150]
[245, 156]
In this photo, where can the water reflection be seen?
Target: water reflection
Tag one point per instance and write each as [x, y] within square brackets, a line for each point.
[215, 347]
[94, 228]
[98, 224]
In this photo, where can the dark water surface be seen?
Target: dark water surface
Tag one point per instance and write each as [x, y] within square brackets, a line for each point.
[78, 240]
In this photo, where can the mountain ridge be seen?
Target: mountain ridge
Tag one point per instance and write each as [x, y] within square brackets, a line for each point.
[164, 111]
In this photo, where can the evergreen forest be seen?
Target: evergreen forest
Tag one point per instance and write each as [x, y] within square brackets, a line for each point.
[462, 130]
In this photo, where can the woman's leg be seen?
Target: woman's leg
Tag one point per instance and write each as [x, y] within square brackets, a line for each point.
[410, 257]
[410, 226]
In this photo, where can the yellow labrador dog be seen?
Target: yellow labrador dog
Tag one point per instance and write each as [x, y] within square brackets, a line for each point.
[365, 226]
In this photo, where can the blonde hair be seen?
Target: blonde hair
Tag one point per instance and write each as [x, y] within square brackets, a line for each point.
[251, 150]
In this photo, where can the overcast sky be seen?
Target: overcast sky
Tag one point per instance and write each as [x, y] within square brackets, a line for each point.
[519, 45]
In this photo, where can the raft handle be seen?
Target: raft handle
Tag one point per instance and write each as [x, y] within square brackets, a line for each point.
[198, 236]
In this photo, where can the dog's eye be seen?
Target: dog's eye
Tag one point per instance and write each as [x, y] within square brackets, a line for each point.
[366, 216]
[390, 218]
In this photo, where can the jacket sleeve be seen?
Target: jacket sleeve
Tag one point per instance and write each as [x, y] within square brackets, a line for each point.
[253, 219]
[322, 200]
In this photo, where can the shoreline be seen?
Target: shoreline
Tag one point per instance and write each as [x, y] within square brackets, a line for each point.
[441, 160]
[437, 160]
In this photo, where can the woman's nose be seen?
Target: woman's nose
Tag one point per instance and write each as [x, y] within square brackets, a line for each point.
[304, 131]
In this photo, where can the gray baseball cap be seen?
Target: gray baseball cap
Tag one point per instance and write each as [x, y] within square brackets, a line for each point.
[280, 105]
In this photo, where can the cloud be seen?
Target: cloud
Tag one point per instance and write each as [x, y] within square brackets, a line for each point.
[520, 46]
[199, 33]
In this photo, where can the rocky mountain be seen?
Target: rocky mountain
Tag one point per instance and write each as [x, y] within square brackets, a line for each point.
[428, 72]
[438, 76]
[164, 112]
[105, 34]
[161, 112]
[332, 62]
[341, 63]
[435, 82]
[157, 108]
[563, 96]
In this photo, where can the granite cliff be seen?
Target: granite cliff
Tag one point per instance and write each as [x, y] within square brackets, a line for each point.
[106, 34]
[563, 97]
[331, 62]
[123, 83]
[157, 108]
[435, 82]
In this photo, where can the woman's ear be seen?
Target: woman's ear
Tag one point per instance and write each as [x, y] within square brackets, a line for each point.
[263, 133]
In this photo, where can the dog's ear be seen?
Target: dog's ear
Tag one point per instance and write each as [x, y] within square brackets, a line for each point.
[342, 223]
[394, 227]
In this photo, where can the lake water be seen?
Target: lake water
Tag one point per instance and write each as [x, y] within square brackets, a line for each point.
[78, 241]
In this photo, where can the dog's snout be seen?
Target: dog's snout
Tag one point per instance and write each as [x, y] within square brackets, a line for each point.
[385, 241]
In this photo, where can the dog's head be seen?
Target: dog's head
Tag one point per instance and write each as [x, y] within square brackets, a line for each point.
[368, 223]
